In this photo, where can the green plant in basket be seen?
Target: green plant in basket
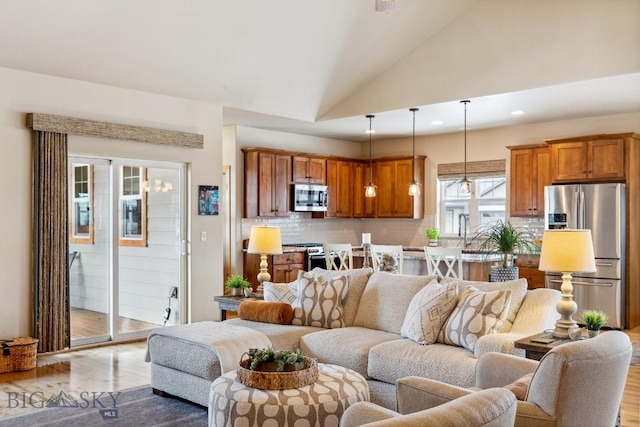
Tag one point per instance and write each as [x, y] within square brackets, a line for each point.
[594, 319]
[281, 358]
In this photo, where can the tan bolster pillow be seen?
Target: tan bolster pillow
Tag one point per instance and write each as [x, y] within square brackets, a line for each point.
[520, 386]
[266, 311]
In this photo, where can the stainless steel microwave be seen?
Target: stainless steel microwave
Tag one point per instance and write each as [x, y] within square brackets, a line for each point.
[309, 198]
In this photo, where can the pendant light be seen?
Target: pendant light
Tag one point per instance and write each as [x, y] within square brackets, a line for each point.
[465, 184]
[414, 189]
[370, 190]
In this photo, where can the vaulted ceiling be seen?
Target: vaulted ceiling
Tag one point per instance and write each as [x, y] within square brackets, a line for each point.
[317, 67]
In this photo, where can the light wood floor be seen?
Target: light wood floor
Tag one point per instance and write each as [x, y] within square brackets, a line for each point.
[87, 323]
[121, 366]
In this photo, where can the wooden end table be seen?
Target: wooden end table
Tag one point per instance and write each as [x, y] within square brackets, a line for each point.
[231, 303]
[535, 350]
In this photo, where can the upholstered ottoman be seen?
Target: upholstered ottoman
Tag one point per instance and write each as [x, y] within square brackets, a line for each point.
[320, 404]
[185, 359]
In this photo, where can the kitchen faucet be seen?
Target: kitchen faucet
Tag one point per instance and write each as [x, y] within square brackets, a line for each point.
[462, 217]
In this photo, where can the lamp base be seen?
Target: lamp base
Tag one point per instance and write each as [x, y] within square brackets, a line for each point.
[566, 307]
[263, 276]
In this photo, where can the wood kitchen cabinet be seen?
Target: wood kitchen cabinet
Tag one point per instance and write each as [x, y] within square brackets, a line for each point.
[311, 170]
[267, 184]
[283, 268]
[528, 269]
[530, 172]
[340, 188]
[600, 159]
[392, 196]
[363, 207]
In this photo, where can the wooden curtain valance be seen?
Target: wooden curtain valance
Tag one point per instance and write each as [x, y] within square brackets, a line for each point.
[474, 169]
[76, 126]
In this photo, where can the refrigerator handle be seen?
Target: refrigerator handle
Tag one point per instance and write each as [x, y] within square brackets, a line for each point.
[581, 209]
[572, 219]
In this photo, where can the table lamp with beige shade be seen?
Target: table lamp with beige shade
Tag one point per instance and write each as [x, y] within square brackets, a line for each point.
[264, 240]
[567, 251]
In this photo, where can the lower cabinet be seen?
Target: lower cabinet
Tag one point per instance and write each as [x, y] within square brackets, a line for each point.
[283, 268]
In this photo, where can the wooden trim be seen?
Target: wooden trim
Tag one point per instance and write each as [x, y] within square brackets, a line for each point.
[526, 146]
[594, 137]
[326, 157]
[76, 126]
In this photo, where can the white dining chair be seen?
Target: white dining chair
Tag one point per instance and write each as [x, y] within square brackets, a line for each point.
[387, 258]
[444, 262]
[339, 256]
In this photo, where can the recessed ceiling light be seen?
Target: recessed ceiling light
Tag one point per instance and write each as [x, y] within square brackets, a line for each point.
[369, 131]
[517, 113]
[436, 122]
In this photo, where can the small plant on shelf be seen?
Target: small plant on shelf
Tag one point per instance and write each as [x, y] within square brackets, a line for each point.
[237, 283]
[594, 319]
[433, 234]
[266, 359]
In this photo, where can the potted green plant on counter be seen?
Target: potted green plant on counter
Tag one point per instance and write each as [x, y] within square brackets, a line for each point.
[594, 320]
[508, 240]
[433, 234]
[237, 284]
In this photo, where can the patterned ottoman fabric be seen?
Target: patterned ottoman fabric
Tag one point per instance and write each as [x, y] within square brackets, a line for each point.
[319, 404]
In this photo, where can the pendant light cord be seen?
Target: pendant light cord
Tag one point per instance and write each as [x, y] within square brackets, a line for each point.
[465, 102]
[370, 161]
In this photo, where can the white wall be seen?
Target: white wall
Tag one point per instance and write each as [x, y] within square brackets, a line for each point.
[24, 92]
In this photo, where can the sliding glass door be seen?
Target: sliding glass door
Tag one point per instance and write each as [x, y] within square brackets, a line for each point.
[126, 247]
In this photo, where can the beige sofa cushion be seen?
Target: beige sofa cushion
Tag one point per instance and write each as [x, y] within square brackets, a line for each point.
[358, 278]
[428, 311]
[386, 298]
[518, 292]
[477, 314]
[393, 360]
[283, 337]
[348, 347]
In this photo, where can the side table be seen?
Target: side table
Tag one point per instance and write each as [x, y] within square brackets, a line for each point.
[231, 303]
[535, 350]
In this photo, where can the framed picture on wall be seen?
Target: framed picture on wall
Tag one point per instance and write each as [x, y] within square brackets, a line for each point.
[208, 200]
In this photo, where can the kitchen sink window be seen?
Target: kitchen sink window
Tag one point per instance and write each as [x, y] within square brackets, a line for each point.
[485, 203]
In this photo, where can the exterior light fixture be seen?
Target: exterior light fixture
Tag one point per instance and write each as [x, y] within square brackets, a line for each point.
[370, 190]
[465, 184]
[414, 188]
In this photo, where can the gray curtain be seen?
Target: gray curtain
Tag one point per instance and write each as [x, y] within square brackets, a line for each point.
[51, 245]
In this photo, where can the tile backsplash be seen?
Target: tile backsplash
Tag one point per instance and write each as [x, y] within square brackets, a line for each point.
[300, 227]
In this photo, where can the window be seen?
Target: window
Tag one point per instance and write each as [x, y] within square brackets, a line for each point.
[81, 217]
[485, 203]
[133, 206]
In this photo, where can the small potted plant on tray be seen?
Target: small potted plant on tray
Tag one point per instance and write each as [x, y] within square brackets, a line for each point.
[433, 234]
[594, 320]
[271, 369]
[237, 284]
[268, 359]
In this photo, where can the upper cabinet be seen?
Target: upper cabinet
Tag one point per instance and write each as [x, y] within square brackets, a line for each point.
[363, 207]
[530, 172]
[598, 158]
[310, 170]
[340, 188]
[266, 184]
[392, 196]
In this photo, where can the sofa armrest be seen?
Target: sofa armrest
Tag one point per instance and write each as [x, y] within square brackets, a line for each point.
[537, 312]
[364, 413]
[494, 407]
[417, 393]
[498, 370]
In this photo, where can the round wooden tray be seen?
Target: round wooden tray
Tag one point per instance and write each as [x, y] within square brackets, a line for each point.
[278, 380]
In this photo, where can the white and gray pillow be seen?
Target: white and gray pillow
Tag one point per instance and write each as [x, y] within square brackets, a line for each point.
[281, 292]
[428, 311]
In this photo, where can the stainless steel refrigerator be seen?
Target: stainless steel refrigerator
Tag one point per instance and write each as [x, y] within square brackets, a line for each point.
[600, 208]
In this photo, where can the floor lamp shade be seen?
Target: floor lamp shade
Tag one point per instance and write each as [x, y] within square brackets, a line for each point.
[566, 251]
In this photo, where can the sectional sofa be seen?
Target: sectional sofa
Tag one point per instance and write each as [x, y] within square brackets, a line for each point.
[381, 325]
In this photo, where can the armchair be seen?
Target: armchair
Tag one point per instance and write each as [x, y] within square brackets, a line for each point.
[561, 391]
[494, 407]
